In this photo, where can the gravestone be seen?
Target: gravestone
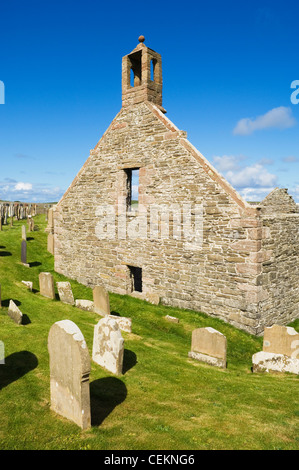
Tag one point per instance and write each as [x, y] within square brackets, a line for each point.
[46, 285]
[28, 284]
[2, 353]
[24, 237]
[280, 351]
[172, 319]
[24, 252]
[85, 304]
[14, 313]
[209, 345]
[124, 323]
[108, 345]
[101, 301]
[65, 293]
[69, 373]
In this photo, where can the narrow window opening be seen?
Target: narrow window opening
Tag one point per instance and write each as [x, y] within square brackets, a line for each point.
[135, 70]
[132, 77]
[136, 278]
[132, 188]
[153, 63]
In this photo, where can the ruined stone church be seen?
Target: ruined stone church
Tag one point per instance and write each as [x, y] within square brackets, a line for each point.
[245, 268]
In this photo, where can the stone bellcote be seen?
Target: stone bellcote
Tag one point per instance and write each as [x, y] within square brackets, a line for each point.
[142, 76]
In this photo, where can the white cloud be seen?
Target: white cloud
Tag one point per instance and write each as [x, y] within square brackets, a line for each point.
[255, 175]
[23, 186]
[253, 182]
[280, 118]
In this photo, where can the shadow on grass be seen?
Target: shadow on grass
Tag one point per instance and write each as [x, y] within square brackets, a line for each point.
[16, 366]
[130, 360]
[35, 263]
[5, 253]
[25, 319]
[1, 247]
[105, 395]
[5, 303]
[29, 238]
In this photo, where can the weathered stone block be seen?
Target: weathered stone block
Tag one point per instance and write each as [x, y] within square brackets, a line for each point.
[69, 373]
[271, 362]
[87, 305]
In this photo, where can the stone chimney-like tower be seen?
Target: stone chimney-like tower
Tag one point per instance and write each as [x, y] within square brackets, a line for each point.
[146, 83]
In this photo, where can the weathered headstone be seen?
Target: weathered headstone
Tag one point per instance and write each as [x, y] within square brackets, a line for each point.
[24, 236]
[65, 292]
[46, 285]
[280, 351]
[108, 345]
[28, 284]
[85, 304]
[2, 353]
[24, 252]
[69, 373]
[172, 319]
[15, 313]
[101, 300]
[124, 323]
[50, 243]
[209, 345]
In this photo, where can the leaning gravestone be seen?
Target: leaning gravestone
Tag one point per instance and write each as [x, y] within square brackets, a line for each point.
[65, 292]
[209, 345]
[69, 373]
[280, 351]
[101, 301]
[15, 313]
[46, 285]
[108, 345]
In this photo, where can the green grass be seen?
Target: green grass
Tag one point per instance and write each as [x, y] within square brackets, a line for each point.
[164, 400]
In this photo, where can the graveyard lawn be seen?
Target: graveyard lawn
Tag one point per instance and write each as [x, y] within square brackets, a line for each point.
[163, 401]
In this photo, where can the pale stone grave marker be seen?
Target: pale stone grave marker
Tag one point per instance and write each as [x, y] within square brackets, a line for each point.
[65, 292]
[46, 285]
[15, 313]
[280, 351]
[101, 300]
[108, 345]
[209, 345]
[69, 373]
[24, 236]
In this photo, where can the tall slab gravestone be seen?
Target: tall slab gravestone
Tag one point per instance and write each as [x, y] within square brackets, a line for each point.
[69, 373]
[209, 345]
[108, 345]
[46, 285]
[101, 301]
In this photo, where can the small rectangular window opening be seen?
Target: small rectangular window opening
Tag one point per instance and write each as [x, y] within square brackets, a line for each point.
[136, 278]
[132, 189]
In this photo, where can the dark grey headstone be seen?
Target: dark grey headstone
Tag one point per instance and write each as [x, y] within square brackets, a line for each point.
[24, 252]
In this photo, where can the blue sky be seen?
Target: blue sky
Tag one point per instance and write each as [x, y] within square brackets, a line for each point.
[227, 74]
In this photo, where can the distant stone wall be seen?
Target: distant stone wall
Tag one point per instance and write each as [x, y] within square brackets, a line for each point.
[226, 278]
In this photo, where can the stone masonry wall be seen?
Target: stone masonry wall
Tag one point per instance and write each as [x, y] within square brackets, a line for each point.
[223, 279]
